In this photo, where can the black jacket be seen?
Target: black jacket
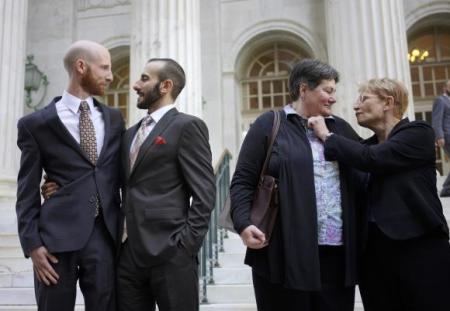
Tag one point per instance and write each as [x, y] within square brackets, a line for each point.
[402, 194]
[292, 257]
[65, 221]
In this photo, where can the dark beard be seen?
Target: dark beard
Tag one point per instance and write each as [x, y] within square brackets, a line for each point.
[150, 98]
[89, 84]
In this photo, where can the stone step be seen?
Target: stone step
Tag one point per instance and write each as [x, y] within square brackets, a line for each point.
[8, 278]
[232, 260]
[228, 307]
[15, 264]
[9, 240]
[203, 307]
[11, 251]
[25, 296]
[16, 279]
[232, 245]
[8, 221]
[233, 275]
[240, 293]
[31, 308]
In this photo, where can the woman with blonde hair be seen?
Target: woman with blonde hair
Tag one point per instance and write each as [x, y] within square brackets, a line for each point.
[406, 263]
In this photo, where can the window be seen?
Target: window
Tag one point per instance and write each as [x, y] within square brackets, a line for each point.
[265, 84]
[117, 95]
[428, 74]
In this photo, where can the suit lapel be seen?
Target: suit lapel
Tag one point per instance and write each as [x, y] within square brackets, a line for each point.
[157, 130]
[107, 121]
[51, 117]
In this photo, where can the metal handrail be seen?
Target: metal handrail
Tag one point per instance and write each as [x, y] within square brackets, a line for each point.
[213, 243]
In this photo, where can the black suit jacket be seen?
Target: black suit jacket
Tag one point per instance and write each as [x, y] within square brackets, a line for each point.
[292, 257]
[173, 167]
[65, 221]
[401, 195]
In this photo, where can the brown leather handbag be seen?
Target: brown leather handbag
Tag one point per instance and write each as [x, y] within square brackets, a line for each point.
[264, 208]
[265, 205]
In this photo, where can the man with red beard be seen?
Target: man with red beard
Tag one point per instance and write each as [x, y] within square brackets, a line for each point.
[75, 140]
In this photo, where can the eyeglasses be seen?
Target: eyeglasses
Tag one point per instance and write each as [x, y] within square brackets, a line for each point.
[362, 98]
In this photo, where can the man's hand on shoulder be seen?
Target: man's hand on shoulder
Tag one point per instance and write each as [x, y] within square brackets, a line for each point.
[41, 264]
[440, 142]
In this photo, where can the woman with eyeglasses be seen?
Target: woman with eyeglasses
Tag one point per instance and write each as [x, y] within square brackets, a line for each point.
[406, 264]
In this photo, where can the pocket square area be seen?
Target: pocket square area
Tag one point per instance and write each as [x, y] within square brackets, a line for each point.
[160, 140]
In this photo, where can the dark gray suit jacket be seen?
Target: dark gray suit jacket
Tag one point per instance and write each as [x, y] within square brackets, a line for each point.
[441, 119]
[169, 195]
[65, 221]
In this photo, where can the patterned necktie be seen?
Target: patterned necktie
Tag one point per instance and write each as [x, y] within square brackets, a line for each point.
[140, 138]
[88, 142]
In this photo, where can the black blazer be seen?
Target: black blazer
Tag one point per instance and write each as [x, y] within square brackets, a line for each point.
[402, 194]
[173, 166]
[292, 257]
[65, 221]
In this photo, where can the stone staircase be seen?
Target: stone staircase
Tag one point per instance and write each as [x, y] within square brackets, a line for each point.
[231, 291]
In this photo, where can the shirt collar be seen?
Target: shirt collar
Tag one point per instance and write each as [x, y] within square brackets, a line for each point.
[73, 103]
[160, 112]
[288, 110]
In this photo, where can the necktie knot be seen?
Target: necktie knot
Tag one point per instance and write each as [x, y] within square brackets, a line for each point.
[84, 106]
[147, 120]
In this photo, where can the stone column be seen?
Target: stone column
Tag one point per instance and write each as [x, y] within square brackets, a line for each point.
[167, 28]
[366, 39]
[13, 20]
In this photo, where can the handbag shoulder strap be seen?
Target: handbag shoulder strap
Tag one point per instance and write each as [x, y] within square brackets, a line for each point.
[273, 136]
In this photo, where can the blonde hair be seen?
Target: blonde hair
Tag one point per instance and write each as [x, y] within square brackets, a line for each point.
[386, 87]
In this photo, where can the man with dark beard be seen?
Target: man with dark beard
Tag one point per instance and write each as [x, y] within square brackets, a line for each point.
[168, 196]
[441, 125]
[76, 140]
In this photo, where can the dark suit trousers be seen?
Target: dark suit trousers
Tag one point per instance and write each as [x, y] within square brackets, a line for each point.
[93, 266]
[406, 275]
[334, 296]
[173, 285]
[446, 185]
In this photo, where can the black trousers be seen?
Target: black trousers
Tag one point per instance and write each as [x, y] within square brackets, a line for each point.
[446, 185]
[334, 296]
[173, 285]
[93, 266]
[406, 275]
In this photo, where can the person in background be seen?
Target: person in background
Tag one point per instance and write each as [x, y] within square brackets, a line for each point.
[440, 119]
[406, 263]
[310, 263]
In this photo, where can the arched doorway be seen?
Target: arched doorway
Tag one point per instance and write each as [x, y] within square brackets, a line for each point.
[263, 74]
[117, 95]
[429, 59]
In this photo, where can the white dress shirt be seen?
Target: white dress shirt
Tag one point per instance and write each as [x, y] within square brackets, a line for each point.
[68, 111]
[156, 116]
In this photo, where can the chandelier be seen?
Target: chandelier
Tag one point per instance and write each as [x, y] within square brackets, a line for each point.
[417, 55]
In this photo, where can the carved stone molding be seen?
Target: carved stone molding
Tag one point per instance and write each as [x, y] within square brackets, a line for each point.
[84, 5]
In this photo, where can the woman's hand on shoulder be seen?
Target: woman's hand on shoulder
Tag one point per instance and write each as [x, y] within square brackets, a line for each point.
[253, 237]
